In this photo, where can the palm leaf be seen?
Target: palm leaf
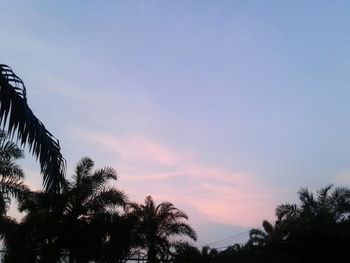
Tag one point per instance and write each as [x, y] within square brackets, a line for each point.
[181, 229]
[287, 211]
[9, 169]
[268, 227]
[9, 149]
[257, 237]
[107, 197]
[13, 186]
[20, 121]
[322, 194]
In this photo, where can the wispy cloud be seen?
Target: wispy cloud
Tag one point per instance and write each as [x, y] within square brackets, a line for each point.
[213, 194]
[208, 194]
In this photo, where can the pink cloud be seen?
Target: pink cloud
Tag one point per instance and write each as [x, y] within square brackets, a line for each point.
[208, 193]
[135, 148]
[219, 196]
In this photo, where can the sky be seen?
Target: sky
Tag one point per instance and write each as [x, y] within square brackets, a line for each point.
[225, 108]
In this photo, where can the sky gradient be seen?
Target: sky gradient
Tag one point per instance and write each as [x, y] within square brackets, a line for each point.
[225, 108]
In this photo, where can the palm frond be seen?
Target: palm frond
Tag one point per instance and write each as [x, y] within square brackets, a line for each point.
[167, 210]
[149, 203]
[13, 186]
[339, 203]
[31, 202]
[181, 229]
[100, 177]
[20, 121]
[287, 211]
[83, 169]
[8, 149]
[9, 169]
[107, 197]
[256, 232]
[132, 207]
[268, 227]
[307, 199]
[339, 194]
[322, 194]
[257, 237]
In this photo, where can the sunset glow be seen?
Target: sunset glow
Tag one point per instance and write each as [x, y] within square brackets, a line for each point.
[225, 109]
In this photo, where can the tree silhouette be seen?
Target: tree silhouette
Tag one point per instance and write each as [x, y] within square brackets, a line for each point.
[319, 227]
[78, 220]
[187, 253]
[159, 226]
[18, 118]
[271, 235]
[121, 233]
[332, 206]
[11, 174]
[11, 185]
[89, 209]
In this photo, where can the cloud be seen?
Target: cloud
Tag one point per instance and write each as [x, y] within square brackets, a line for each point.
[208, 193]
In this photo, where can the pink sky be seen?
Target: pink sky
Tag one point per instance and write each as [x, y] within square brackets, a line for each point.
[225, 109]
[148, 167]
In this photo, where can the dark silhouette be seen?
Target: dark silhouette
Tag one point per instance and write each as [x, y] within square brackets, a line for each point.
[158, 226]
[11, 174]
[121, 233]
[187, 253]
[271, 235]
[317, 230]
[75, 223]
[18, 118]
[89, 210]
[90, 221]
[11, 185]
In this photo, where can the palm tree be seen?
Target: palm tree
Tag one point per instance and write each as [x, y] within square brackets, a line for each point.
[319, 214]
[11, 185]
[90, 208]
[159, 227]
[271, 235]
[18, 118]
[318, 228]
[78, 220]
[11, 174]
[331, 206]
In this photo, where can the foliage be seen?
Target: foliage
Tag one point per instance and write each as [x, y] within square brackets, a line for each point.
[11, 174]
[77, 222]
[18, 118]
[316, 230]
[272, 235]
[11, 185]
[159, 227]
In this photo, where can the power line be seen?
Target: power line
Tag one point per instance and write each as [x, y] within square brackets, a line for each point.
[224, 247]
[228, 238]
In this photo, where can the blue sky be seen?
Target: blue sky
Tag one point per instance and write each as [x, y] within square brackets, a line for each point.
[225, 108]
